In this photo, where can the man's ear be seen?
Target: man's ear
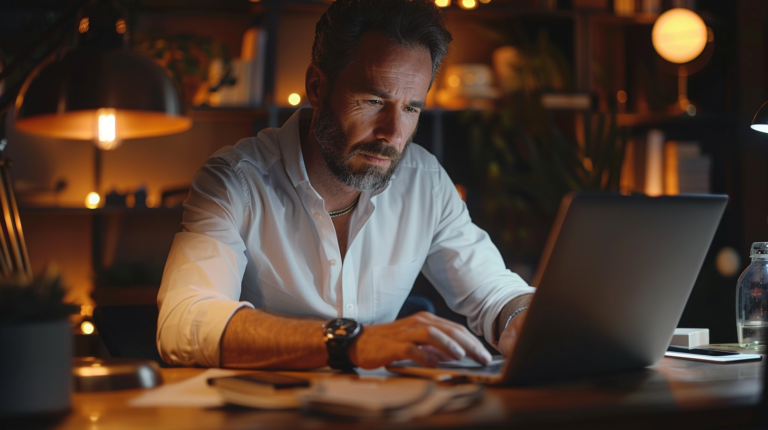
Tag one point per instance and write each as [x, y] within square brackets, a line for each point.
[315, 85]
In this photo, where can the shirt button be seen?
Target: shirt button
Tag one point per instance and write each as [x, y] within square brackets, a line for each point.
[316, 215]
[349, 306]
[332, 262]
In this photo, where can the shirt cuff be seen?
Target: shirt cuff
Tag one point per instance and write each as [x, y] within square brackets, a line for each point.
[207, 329]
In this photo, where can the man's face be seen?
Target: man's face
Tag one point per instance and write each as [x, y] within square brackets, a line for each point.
[366, 122]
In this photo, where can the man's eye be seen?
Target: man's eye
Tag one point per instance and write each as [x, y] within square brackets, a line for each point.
[411, 109]
[374, 102]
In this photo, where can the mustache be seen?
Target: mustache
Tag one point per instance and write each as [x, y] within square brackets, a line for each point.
[376, 149]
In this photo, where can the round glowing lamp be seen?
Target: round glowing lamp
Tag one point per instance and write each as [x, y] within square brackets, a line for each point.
[679, 35]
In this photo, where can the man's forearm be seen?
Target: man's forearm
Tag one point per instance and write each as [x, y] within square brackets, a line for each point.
[256, 339]
[506, 312]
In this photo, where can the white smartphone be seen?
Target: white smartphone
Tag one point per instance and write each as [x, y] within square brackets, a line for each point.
[709, 355]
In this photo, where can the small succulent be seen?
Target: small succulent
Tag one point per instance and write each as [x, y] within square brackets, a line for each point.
[39, 299]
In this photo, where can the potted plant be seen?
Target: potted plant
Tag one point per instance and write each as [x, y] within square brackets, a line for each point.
[35, 348]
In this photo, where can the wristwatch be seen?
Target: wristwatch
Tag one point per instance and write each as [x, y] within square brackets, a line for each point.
[340, 334]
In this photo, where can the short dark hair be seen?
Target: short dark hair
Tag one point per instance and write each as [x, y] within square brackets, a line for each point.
[409, 23]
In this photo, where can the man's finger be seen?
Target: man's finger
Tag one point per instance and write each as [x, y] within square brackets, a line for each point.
[468, 342]
[422, 356]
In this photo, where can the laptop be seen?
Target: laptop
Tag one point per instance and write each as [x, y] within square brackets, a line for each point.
[614, 277]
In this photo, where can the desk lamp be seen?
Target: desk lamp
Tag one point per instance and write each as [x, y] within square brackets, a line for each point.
[100, 91]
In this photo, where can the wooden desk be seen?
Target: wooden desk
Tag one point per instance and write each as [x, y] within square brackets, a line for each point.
[675, 392]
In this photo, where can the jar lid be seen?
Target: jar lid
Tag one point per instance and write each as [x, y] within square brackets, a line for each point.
[759, 248]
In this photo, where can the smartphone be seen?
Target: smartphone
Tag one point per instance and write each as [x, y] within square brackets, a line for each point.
[260, 381]
[709, 355]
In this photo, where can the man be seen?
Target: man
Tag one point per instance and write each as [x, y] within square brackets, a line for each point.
[300, 245]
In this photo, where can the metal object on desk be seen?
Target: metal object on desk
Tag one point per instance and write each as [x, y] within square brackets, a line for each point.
[107, 374]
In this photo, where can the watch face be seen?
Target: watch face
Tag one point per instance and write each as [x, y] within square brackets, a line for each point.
[342, 328]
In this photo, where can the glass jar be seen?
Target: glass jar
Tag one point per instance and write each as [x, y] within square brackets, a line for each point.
[752, 299]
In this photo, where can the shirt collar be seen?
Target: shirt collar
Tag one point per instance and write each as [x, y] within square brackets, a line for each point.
[290, 147]
[293, 159]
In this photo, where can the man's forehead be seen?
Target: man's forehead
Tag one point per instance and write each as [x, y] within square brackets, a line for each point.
[379, 58]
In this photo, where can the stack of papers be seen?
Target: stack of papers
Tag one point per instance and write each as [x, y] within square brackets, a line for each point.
[365, 396]
[401, 399]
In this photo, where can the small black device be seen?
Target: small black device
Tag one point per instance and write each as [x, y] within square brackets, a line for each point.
[700, 351]
[261, 380]
[340, 334]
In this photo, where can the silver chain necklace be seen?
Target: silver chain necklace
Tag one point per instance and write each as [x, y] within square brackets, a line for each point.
[346, 210]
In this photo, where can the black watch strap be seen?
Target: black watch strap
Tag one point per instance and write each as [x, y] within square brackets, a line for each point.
[340, 335]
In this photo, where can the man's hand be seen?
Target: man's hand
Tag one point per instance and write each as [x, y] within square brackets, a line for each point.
[509, 335]
[423, 338]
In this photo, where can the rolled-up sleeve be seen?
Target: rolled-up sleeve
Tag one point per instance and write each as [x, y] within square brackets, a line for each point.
[465, 266]
[201, 284]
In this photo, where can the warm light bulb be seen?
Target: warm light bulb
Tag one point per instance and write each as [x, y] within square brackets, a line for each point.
[679, 35]
[106, 129]
[294, 99]
[87, 327]
[468, 4]
[454, 81]
[442, 3]
[92, 200]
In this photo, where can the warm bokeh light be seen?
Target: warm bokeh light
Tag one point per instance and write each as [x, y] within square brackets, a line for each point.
[454, 81]
[120, 26]
[621, 96]
[468, 4]
[92, 200]
[87, 327]
[485, 1]
[294, 99]
[84, 24]
[462, 191]
[443, 3]
[679, 35]
[728, 262]
[86, 310]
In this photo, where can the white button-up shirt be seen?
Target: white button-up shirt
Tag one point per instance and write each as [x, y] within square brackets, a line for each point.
[256, 234]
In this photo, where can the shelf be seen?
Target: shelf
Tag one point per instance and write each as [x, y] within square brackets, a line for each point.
[100, 211]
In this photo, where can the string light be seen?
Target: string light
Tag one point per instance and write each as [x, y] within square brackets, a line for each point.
[442, 3]
[121, 28]
[468, 4]
[84, 24]
[294, 99]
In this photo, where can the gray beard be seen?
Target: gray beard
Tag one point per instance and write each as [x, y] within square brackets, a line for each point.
[333, 141]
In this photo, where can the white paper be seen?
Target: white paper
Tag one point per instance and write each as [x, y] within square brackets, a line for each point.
[194, 392]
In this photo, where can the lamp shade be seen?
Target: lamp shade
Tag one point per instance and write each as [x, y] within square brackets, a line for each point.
[760, 121]
[65, 98]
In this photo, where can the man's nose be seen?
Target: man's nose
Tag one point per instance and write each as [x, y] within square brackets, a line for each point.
[390, 127]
